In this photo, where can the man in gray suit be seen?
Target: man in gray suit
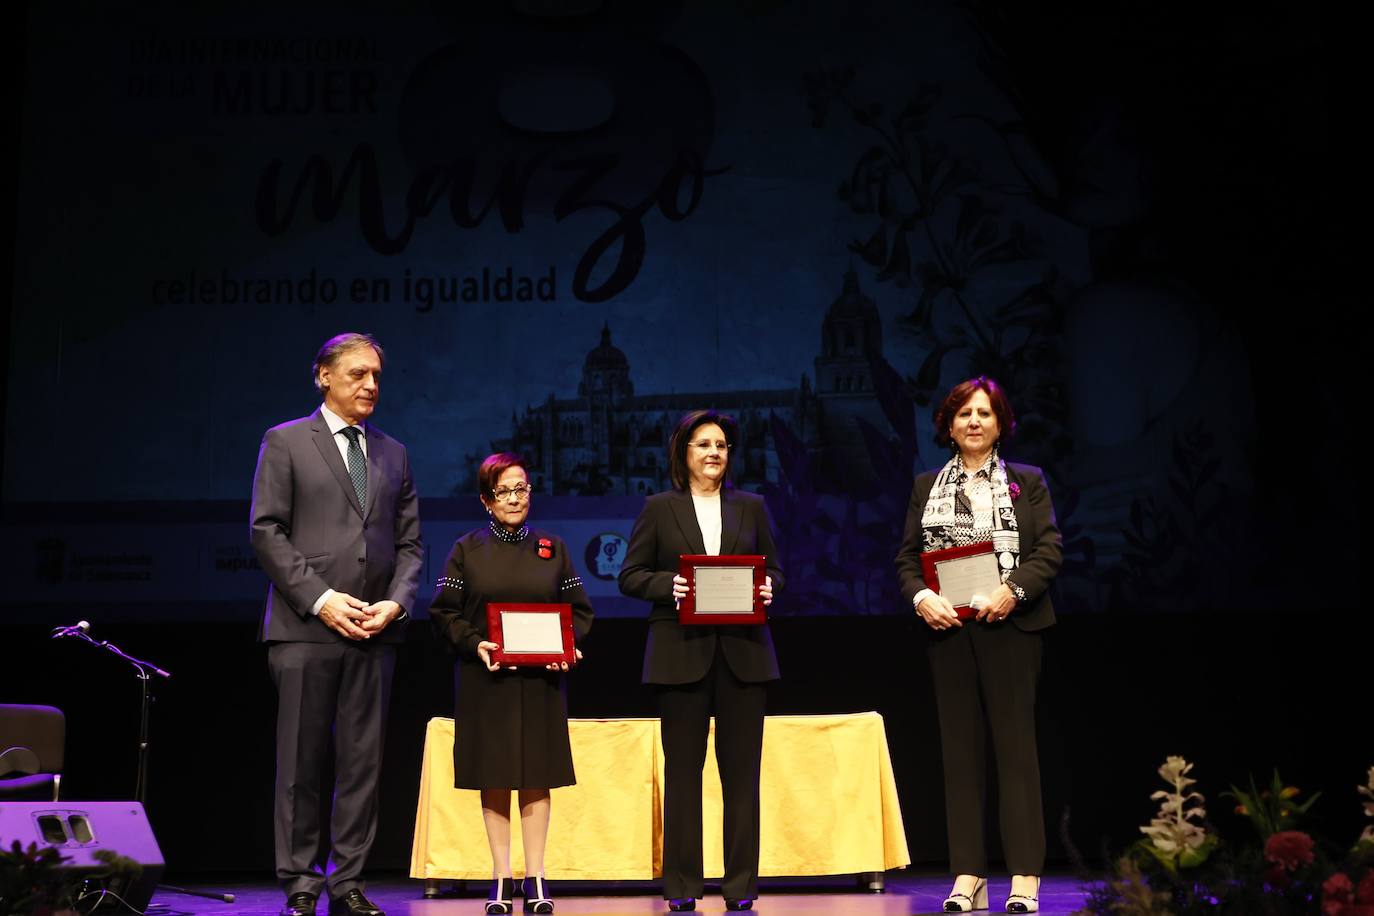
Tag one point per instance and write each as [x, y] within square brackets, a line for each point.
[336, 527]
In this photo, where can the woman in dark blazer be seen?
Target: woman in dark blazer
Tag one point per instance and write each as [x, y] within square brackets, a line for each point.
[986, 667]
[700, 671]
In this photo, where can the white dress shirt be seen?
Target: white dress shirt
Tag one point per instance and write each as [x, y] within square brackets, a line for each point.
[336, 424]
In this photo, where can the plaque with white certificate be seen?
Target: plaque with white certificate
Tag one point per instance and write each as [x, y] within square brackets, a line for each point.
[530, 634]
[960, 573]
[722, 589]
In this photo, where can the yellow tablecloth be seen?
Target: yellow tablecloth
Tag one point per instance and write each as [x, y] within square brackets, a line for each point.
[828, 804]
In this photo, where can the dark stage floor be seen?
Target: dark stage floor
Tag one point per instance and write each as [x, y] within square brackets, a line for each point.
[906, 895]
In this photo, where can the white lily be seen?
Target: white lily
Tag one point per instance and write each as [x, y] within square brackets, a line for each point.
[1177, 827]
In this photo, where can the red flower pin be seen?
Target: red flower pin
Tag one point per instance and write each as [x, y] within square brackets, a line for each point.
[1014, 489]
[545, 550]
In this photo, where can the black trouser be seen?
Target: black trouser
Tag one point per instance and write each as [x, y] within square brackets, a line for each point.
[685, 711]
[987, 673]
[343, 688]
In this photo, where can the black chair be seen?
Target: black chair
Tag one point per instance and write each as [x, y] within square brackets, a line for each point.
[32, 742]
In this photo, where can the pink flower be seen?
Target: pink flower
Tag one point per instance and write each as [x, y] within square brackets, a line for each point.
[1014, 489]
[1365, 892]
[1289, 849]
[1336, 892]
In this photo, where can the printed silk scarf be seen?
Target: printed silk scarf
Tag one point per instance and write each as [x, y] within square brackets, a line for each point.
[942, 529]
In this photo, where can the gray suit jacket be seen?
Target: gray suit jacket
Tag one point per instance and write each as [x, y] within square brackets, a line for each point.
[310, 534]
[1038, 533]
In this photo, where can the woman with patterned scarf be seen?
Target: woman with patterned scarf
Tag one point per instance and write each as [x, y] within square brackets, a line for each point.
[986, 664]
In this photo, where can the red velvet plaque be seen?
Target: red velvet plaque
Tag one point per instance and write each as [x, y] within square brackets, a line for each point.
[530, 634]
[969, 570]
[722, 589]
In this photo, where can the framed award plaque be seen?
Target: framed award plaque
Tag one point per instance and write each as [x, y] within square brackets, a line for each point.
[722, 589]
[960, 573]
[530, 634]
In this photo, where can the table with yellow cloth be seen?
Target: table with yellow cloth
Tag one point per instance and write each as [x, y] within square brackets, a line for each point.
[828, 804]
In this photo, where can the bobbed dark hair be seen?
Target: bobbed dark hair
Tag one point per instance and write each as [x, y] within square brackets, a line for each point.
[491, 469]
[682, 436]
[959, 395]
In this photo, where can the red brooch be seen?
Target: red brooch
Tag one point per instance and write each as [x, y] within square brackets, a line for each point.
[545, 550]
[1014, 489]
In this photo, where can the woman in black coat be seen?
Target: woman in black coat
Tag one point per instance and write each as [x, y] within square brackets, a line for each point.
[510, 724]
[700, 671]
[986, 666]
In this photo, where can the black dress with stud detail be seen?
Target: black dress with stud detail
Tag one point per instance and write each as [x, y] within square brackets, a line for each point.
[510, 727]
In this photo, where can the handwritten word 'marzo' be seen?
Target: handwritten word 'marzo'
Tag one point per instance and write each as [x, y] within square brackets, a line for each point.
[455, 184]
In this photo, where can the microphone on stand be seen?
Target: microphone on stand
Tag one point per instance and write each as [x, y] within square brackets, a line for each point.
[82, 629]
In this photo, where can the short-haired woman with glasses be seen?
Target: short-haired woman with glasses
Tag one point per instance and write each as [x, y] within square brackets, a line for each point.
[700, 671]
[510, 724]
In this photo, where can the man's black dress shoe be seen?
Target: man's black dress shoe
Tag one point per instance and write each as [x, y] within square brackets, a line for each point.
[354, 903]
[682, 904]
[739, 903]
[300, 903]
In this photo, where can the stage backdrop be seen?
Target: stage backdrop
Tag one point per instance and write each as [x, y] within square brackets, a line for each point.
[571, 222]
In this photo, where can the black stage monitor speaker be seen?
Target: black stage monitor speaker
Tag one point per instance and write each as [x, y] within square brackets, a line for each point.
[78, 830]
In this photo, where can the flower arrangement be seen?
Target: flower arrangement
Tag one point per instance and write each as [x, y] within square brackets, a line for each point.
[1350, 889]
[32, 881]
[1182, 867]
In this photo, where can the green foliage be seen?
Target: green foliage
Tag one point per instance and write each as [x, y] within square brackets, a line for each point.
[32, 881]
[1184, 868]
[1127, 893]
[1272, 809]
[1188, 858]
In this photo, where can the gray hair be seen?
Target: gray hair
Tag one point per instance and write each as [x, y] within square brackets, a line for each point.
[336, 346]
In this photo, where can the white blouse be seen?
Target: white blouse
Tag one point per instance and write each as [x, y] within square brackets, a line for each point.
[709, 519]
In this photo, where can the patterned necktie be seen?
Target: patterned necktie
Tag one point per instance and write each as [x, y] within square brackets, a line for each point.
[357, 464]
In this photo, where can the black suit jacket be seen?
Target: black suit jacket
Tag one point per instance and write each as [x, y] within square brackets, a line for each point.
[1041, 548]
[310, 534]
[667, 528]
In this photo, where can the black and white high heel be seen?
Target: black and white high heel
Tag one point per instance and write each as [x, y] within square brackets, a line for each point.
[967, 903]
[1025, 903]
[499, 901]
[536, 894]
